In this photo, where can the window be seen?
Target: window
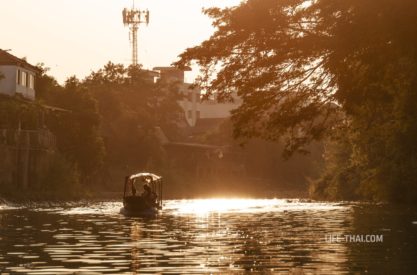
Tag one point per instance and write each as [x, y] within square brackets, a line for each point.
[189, 114]
[18, 74]
[31, 81]
[23, 79]
[198, 114]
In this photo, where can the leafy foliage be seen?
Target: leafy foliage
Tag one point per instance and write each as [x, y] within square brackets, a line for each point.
[76, 125]
[312, 69]
[15, 113]
[108, 128]
[131, 106]
[274, 54]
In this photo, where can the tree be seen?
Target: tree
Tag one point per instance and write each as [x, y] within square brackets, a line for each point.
[310, 69]
[16, 112]
[274, 55]
[77, 126]
[131, 106]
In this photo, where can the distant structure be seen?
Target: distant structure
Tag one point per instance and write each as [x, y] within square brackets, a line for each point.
[196, 111]
[17, 76]
[132, 18]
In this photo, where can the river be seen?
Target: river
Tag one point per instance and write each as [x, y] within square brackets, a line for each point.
[232, 236]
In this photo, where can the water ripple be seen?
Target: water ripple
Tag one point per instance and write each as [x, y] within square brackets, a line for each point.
[200, 236]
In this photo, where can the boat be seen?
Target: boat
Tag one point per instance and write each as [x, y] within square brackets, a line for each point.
[146, 204]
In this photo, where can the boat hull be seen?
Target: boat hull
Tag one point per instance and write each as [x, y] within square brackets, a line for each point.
[137, 206]
[138, 213]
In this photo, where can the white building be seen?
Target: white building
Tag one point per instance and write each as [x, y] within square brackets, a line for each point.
[16, 76]
[194, 108]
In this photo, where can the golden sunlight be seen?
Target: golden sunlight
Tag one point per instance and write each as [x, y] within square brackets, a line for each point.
[204, 206]
[222, 205]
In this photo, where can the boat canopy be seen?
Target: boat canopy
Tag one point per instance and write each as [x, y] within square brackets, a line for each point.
[145, 175]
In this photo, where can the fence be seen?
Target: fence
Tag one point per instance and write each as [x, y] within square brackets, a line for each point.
[28, 139]
[25, 155]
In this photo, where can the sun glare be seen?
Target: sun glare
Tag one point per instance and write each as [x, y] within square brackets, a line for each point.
[222, 205]
[206, 206]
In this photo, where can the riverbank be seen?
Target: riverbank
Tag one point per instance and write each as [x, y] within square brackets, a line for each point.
[32, 196]
[171, 191]
[53, 198]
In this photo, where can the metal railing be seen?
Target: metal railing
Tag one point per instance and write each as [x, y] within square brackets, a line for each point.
[41, 139]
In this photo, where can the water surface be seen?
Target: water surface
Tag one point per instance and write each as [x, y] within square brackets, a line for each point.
[208, 236]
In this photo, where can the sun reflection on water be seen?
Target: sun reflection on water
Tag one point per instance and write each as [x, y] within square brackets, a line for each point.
[202, 236]
[205, 206]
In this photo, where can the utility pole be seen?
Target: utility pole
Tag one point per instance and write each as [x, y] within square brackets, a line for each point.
[133, 18]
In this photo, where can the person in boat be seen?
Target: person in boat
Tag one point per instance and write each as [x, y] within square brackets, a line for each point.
[148, 194]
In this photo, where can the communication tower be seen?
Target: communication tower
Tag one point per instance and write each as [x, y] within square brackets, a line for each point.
[133, 18]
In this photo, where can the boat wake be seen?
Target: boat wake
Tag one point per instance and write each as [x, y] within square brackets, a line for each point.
[7, 207]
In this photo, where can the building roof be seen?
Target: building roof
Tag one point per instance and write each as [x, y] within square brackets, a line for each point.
[54, 109]
[9, 59]
[206, 124]
[195, 145]
[202, 126]
[150, 73]
[170, 68]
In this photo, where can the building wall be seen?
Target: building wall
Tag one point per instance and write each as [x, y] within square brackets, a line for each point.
[189, 103]
[194, 108]
[9, 84]
[209, 109]
[25, 156]
[7, 165]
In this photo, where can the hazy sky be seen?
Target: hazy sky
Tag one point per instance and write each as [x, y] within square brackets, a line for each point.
[78, 36]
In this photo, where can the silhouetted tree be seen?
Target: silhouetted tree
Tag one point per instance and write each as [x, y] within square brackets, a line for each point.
[76, 128]
[310, 69]
[131, 106]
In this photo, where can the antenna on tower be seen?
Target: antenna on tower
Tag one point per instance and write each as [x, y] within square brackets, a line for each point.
[133, 18]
